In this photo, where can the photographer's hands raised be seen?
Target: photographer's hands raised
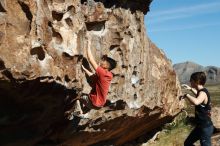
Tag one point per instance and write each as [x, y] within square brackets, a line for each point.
[185, 86]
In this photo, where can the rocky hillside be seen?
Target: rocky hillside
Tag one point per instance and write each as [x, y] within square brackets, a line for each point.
[42, 47]
[184, 71]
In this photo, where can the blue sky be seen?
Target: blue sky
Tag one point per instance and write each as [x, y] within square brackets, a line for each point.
[186, 30]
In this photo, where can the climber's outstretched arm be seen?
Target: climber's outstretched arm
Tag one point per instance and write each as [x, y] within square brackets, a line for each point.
[89, 73]
[90, 56]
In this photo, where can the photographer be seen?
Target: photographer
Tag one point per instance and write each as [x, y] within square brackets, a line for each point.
[204, 127]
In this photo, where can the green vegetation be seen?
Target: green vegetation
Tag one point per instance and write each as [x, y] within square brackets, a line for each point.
[173, 137]
[173, 134]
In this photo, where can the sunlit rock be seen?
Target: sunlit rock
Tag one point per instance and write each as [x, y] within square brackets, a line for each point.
[42, 47]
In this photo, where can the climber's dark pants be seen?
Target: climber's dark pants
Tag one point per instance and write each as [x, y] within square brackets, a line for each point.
[202, 134]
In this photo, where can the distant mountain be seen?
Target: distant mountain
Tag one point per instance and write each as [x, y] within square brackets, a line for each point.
[184, 71]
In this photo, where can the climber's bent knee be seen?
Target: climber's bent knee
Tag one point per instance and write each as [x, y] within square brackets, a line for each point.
[87, 102]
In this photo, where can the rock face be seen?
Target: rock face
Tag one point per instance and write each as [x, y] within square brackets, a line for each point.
[46, 40]
[215, 117]
[184, 71]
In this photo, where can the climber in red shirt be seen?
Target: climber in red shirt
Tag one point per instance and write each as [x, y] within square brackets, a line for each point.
[101, 81]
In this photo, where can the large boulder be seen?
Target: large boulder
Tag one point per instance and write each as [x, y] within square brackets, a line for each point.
[42, 47]
[216, 118]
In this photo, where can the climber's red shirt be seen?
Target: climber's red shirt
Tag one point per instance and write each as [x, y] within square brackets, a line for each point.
[100, 87]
